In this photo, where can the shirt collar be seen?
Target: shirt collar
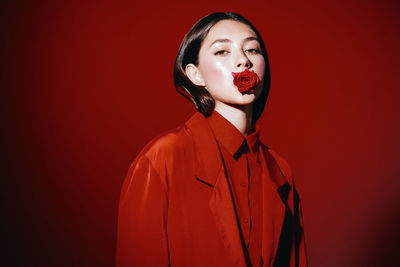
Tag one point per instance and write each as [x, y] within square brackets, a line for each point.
[230, 137]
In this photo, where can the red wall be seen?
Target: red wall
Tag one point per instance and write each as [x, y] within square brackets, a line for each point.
[85, 85]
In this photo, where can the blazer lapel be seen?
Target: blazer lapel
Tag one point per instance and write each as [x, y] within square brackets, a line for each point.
[274, 177]
[210, 170]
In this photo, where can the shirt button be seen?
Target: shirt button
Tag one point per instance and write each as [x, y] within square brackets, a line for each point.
[243, 184]
[245, 220]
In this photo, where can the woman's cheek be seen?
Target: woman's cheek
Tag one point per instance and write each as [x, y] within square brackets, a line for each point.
[214, 73]
[260, 69]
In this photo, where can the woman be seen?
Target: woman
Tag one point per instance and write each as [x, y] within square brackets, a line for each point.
[209, 193]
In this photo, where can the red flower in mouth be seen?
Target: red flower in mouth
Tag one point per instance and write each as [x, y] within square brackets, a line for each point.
[246, 81]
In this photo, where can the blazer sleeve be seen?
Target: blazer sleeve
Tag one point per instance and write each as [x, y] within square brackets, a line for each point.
[142, 218]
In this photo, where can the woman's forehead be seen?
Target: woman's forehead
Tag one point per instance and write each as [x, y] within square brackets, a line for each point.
[230, 30]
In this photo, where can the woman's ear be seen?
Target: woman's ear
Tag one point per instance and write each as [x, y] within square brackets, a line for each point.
[194, 75]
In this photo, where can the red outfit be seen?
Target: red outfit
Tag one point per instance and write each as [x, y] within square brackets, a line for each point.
[240, 155]
[183, 202]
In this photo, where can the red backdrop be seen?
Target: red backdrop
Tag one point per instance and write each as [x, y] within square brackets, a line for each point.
[85, 85]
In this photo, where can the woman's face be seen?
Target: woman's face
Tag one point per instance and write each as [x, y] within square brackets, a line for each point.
[229, 46]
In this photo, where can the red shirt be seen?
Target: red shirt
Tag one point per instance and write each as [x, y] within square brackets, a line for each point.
[241, 158]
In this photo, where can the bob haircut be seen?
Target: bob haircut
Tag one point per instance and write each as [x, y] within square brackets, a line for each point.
[188, 53]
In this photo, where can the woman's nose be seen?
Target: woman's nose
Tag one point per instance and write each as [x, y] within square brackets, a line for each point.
[243, 61]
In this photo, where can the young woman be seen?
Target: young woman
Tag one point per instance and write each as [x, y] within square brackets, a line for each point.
[209, 193]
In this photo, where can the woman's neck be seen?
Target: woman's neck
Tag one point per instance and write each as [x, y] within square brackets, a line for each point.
[239, 116]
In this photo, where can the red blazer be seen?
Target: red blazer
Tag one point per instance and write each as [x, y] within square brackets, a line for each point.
[176, 208]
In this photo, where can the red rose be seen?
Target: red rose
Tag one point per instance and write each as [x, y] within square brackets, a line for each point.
[246, 81]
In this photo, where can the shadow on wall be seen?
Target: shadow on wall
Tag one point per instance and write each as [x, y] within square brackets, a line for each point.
[385, 247]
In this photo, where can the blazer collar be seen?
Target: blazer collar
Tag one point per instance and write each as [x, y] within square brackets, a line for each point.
[209, 161]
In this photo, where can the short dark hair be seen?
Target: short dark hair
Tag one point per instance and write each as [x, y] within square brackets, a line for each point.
[189, 52]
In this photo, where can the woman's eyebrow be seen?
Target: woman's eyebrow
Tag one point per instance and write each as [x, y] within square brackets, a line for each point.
[226, 40]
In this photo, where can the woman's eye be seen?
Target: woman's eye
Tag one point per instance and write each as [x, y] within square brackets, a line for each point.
[253, 51]
[221, 52]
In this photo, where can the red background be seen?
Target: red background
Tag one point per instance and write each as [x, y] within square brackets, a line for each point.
[85, 85]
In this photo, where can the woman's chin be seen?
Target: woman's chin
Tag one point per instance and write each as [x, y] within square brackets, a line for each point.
[244, 99]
